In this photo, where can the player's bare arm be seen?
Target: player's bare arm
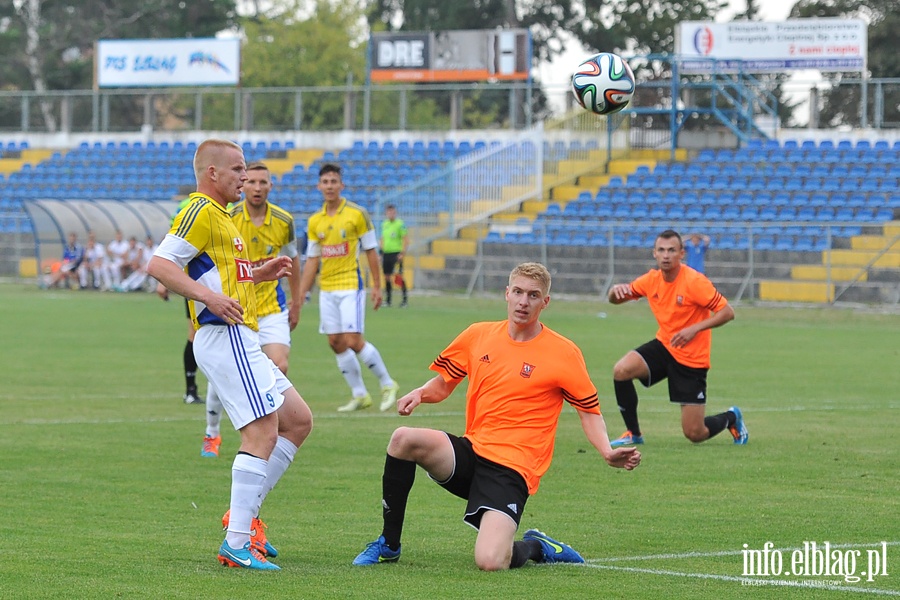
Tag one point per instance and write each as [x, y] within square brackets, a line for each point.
[718, 319]
[296, 298]
[175, 279]
[621, 292]
[272, 270]
[435, 390]
[310, 268]
[375, 270]
[594, 428]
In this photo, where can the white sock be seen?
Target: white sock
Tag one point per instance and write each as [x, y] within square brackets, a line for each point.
[349, 367]
[213, 412]
[370, 357]
[279, 461]
[248, 475]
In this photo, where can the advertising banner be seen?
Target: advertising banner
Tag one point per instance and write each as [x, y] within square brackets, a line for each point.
[756, 47]
[170, 62]
[464, 55]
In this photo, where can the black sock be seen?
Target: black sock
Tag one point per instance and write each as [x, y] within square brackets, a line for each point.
[627, 399]
[719, 422]
[396, 483]
[524, 550]
[190, 366]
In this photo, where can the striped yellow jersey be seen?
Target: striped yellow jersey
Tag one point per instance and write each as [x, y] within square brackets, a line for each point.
[221, 262]
[275, 236]
[338, 240]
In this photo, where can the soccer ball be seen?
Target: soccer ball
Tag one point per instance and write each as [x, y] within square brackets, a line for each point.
[603, 84]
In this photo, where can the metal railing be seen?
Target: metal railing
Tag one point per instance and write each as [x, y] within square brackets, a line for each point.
[396, 107]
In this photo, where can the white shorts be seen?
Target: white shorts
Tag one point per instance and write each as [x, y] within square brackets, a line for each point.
[246, 380]
[342, 312]
[274, 329]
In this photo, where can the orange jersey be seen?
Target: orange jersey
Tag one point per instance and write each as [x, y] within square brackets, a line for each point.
[689, 299]
[516, 393]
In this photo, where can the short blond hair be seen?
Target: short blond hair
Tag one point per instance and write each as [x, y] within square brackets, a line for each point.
[534, 271]
[207, 152]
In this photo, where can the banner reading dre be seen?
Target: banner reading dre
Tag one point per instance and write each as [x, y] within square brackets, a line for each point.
[463, 55]
[169, 62]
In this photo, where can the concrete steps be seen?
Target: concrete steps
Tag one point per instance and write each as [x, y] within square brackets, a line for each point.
[871, 264]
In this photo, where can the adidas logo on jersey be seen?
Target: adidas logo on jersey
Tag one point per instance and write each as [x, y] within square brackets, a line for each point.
[485, 359]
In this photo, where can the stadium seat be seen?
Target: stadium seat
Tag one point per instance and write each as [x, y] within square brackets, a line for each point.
[825, 213]
[844, 214]
[764, 242]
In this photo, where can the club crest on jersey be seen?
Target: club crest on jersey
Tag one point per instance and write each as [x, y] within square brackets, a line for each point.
[527, 370]
[238, 244]
[679, 300]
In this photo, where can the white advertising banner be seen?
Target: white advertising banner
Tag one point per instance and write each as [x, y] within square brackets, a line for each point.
[173, 62]
[758, 46]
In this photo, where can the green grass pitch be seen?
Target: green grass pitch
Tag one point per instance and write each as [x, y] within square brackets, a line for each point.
[104, 494]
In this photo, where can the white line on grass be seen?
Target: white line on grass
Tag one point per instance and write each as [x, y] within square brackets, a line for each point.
[319, 416]
[724, 553]
[328, 415]
[750, 581]
[369, 415]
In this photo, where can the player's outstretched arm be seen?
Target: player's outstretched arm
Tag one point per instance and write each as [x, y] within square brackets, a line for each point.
[435, 390]
[595, 429]
[621, 292]
[272, 270]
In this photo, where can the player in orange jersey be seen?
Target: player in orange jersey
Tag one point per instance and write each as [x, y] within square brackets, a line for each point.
[687, 306]
[520, 375]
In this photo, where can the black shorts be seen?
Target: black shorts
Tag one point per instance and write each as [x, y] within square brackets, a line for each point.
[687, 385]
[389, 261]
[485, 484]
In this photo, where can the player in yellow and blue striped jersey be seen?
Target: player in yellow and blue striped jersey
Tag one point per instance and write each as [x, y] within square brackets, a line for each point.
[335, 236]
[267, 231]
[205, 259]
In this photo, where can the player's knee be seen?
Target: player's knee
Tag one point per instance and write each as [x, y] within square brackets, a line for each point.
[282, 364]
[401, 443]
[621, 372]
[295, 420]
[696, 434]
[492, 561]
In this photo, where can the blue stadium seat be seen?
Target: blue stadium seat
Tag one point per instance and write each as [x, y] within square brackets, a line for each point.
[844, 214]
[784, 243]
[764, 242]
[787, 213]
[804, 244]
[693, 212]
[712, 213]
[768, 213]
[730, 212]
[825, 213]
[806, 213]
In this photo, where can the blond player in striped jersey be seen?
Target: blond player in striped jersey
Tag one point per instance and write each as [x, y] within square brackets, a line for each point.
[268, 232]
[336, 235]
[204, 258]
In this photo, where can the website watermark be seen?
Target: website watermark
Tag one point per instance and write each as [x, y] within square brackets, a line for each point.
[830, 565]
